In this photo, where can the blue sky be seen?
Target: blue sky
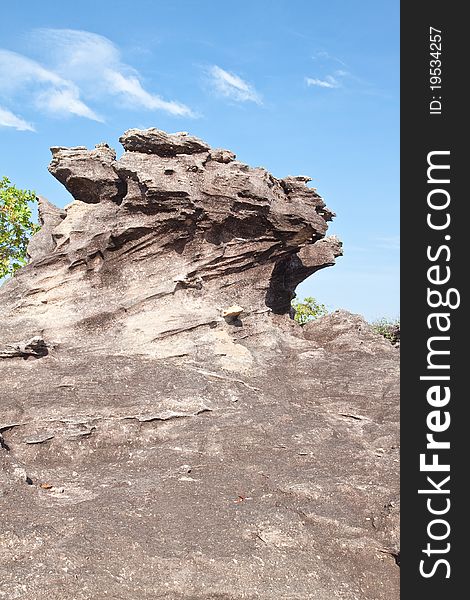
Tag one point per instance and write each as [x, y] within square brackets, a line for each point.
[299, 87]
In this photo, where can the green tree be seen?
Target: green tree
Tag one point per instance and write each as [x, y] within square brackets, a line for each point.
[307, 310]
[16, 226]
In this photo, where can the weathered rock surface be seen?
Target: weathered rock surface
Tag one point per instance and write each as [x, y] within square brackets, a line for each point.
[346, 332]
[167, 431]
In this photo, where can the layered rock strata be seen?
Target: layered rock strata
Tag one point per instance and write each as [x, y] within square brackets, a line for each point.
[166, 429]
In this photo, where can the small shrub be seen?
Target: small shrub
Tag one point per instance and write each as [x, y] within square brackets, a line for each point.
[308, 310]
[389, 329]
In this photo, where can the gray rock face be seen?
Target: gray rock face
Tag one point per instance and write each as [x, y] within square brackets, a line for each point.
[346, 332]
[166, 430]
[157, 244]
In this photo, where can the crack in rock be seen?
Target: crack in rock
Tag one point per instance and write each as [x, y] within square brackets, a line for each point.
[167, 415]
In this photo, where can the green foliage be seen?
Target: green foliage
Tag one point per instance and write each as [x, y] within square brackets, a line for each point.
[387, 328]
[307, 310]
[16, 226]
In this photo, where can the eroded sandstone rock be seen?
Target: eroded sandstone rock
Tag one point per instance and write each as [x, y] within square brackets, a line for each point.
[157, 242]
[160, 450]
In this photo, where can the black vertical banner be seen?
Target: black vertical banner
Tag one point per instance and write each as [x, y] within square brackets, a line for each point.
[435, 332]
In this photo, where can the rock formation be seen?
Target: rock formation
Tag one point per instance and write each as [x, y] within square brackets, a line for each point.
[167, 430]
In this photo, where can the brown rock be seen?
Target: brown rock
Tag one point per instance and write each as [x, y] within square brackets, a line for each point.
[198, 457]
[160, 143]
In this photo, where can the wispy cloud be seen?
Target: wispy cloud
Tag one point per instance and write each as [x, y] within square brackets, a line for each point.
[326, 56]
[328, 82]
[332, 77]
[232, 86]
[78, 68]
[333, 73]
[9, 119]
[131, 90]
[65, 101]
[96, 65]
[22, 77]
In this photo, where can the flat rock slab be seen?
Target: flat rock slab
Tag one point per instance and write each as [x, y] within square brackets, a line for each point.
[283, 485]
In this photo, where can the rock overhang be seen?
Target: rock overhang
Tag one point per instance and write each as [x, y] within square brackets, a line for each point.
[158, 242]
[181, 184]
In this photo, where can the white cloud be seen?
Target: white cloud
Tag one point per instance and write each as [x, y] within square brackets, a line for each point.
[83, 52]
[94, 63]
[328, 82]
[17, 70]
[326, 56]
[78, 67]
[328, 62]
[339, 75]
[65, 101]
[131, 89]
[232, 86]
[9, 119]
[47, 89]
